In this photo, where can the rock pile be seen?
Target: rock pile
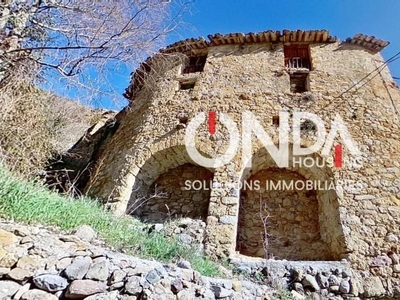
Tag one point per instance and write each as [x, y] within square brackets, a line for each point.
[38, 264]
[318, 279]
[187, 230]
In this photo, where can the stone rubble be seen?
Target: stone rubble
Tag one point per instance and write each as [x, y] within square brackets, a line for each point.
[57, 266]
[52, 265]
[318, 279]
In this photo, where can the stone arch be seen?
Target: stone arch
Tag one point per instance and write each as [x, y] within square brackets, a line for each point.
[302, 224]
[164, 187]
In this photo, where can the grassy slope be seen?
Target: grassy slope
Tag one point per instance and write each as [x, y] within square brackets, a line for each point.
[29, 202]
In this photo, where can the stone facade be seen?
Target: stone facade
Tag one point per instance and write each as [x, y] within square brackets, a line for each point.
[358, 219]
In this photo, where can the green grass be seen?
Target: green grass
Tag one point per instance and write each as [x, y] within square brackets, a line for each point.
[30, 202]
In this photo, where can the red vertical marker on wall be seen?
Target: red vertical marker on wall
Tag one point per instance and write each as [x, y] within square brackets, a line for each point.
[212, 116]
[338, 156]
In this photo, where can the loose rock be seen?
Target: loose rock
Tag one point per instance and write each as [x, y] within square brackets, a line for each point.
[344, 286]
[50, 283]
[19, 275]
[85, 233]
[132, 286]
[38, 295]
[311, 282]
[8, 288]
[78, 269]
[82, 288]
[98, 271]
[221, 292]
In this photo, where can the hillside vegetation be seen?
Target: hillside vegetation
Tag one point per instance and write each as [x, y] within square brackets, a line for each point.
[36, 125]
[29, 202]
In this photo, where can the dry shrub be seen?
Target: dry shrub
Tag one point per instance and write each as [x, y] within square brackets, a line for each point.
[36, 125]
[25, 130]
[70, 120]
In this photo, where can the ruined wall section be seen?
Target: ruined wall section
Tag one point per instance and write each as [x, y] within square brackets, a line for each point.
[117, 154]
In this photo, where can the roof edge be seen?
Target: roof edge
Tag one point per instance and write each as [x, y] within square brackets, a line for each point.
[369, 42]
[269, 36]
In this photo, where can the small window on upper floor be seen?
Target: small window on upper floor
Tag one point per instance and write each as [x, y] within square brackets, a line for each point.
[299, 83]
[187, 84]
[195, 64]
[297, 57]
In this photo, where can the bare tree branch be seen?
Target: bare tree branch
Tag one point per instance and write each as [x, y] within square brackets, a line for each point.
[72, 37]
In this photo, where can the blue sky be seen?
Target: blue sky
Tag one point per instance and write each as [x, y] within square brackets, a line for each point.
[343, 18]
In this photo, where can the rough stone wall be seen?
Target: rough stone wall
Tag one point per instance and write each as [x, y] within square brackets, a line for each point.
[280, 224]
[327, 206]
[169, 198]
[365, 222]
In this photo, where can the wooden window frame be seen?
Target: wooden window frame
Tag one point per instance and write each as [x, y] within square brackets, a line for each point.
[297, 56]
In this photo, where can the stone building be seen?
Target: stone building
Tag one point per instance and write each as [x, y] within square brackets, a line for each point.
[262, 80]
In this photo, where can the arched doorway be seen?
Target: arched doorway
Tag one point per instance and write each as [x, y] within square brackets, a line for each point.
[284, 216]
[168, 186]
[183, 191]
[279, 220]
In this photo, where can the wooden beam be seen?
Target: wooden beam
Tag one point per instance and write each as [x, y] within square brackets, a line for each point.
[312, 36]
[307, 36]
[325, 36]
